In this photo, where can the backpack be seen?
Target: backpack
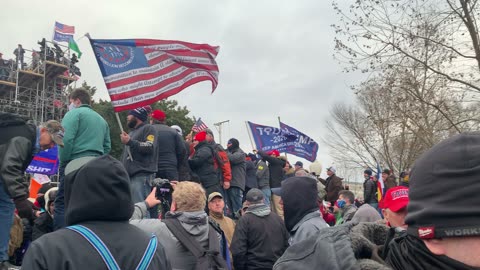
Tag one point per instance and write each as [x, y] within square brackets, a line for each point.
[211, 259]
[221, 163]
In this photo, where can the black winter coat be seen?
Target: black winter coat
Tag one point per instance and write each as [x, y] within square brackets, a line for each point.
[202, 165]
[171, 148]
[83, 256]
[251, 178]
[369, 191]
[275, 165]
[258, 241]
[43, 225]
[16, 144]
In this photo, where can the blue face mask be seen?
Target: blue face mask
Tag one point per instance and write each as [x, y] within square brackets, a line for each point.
[72, 106]
[341, 203]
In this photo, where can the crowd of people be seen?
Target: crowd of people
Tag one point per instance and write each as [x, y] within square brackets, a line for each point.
[8, 67]
[182, 201]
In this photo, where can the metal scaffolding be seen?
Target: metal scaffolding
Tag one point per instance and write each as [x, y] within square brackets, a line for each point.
[34, 85]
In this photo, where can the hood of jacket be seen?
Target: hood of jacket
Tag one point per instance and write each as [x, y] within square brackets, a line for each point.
[50, 196]
[195, 223]
[235, 144]
[98, 191]
[299, 195]
[259, 210]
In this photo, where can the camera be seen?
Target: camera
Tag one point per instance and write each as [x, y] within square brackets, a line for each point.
[164, 188]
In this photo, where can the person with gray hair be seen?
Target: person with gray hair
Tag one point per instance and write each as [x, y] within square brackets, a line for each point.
[19, 141]
[260, 236]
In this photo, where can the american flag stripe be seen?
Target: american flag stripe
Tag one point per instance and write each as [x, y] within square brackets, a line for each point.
[141, 71]
[162, 87]
[64, 29]
[148, 99]
[199, 126]
[171, 45]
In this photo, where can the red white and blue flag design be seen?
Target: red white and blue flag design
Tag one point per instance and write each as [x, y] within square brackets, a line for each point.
[63, 32]
[138, 72]
[45, 162]
[199, 126]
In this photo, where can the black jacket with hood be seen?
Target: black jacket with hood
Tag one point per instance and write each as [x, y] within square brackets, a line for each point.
[171, 148]
[202, 165]
[17, 141]
[97, 196]
[260, 238]
[275, 165]
[236, 156]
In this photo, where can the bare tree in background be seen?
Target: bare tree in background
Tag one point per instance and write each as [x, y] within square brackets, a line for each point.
[389, 126]
[424, 62]
[371, 33]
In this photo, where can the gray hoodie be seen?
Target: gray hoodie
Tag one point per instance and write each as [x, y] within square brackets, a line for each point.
[195, 223]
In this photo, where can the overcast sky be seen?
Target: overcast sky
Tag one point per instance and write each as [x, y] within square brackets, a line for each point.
[275, 56]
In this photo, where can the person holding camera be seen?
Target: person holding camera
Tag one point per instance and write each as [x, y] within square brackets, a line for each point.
[187, 233]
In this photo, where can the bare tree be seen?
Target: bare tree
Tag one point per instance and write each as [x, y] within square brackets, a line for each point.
[373, 35]
[387, 125]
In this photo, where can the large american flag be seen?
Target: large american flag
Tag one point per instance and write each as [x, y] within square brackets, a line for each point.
[138, 72]
[199, 126]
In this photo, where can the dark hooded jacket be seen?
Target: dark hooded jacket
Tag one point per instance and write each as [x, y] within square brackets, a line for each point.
[203, 169]
[236, 156]
[275, 166]
[17, 141]
[260, 238]
[171, 148]
[97, 196]
[251, 175]
[301, 213]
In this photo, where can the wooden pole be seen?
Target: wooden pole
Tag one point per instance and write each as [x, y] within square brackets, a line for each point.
[121, 129]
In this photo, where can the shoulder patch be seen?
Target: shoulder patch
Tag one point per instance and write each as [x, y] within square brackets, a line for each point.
[150, 138]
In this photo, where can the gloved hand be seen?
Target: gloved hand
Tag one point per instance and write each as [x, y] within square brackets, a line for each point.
[24, 208]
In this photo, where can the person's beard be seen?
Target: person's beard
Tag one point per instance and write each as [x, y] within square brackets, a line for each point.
[132, 123]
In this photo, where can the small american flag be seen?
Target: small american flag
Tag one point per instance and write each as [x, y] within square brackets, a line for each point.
[199, 126]
[64, 29]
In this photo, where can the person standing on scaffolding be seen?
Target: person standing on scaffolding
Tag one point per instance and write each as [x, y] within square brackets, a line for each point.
[19, 52]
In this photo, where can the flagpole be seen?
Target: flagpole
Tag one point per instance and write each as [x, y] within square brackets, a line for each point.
[121, 129]
[281, 129]
[249, 135]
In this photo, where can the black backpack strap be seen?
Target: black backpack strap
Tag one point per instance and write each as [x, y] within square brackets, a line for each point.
[184, 237]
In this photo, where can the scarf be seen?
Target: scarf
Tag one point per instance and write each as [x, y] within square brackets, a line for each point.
[409, 252]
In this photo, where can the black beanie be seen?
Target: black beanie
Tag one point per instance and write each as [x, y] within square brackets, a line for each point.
[368, 171]
[98, 191]
[299, 195]
[444, 187]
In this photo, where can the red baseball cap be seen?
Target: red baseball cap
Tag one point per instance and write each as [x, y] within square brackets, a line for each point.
[159, 115]
[395, 199]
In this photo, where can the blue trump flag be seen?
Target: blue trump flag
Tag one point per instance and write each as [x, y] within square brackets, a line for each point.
[303, 146]
[269, 138]
[45, 162]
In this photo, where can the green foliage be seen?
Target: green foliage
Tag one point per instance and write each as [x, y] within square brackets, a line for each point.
[91, 89]
[176, 115]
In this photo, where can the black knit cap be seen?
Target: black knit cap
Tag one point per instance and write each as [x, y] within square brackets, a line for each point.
[444, 190]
